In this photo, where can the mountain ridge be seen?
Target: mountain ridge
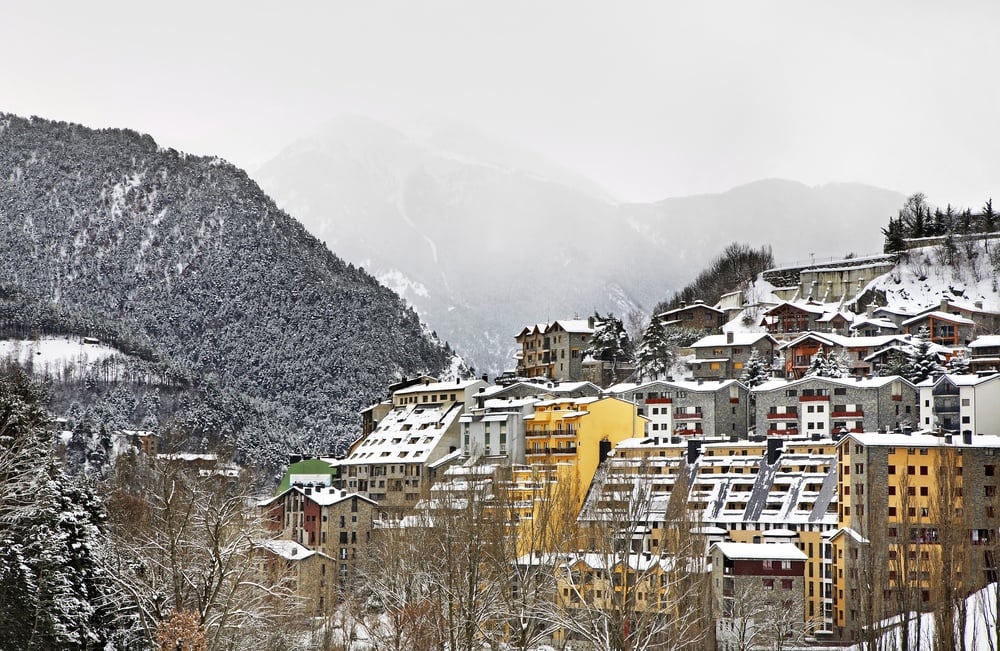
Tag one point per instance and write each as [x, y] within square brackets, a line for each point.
[494, 228]
[190, 252]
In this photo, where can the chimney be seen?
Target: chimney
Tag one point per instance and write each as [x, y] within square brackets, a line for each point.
[694, 451]
[979, 305]
[967, 436]
[729, 337]
[590, 322]
[773, 450]
[944, 305]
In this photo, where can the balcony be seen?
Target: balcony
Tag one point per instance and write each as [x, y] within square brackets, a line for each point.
[549, 450]
[696, 431]
[560, 432]
[659, 401]
[814, 398]
[688, 416]
[847, 414]
[794, 431]
[783, 415]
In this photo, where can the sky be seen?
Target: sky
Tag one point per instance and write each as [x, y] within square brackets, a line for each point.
[648, 99]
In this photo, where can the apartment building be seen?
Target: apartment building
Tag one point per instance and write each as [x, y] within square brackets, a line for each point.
[961, 403]
[554, 350]
[397, 462]
[327, 520]
[720, 357]
[829, 406]
[683, 408]
[917, 523]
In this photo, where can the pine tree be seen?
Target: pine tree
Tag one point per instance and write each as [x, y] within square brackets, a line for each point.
[894, 236]
[922, 362]
[817, 364]
[756, 371]
[54, 592]
[960, 365]
[610, 342]
[656, 355]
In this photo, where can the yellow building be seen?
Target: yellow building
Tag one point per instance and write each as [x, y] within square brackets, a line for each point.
[578, 433]
[918, 520]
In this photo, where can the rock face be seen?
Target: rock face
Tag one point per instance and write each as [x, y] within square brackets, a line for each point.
[189, 254]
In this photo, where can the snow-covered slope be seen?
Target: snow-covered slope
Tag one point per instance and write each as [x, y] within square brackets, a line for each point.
[483, 238]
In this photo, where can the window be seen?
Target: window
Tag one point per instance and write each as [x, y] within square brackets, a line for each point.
[768, 584]
[786, 584]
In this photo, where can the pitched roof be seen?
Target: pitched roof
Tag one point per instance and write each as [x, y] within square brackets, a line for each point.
[940, 316]
[739, 339]
[761, 551]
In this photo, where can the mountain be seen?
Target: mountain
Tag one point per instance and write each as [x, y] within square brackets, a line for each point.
[483, 239]
[191, 255]
[479, 248]
[798, 222]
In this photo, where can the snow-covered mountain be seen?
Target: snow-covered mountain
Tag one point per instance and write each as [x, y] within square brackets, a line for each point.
[482, 238]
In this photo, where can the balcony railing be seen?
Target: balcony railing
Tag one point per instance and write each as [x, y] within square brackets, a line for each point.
[847, 414]
[784, 432]
[688, 416]
[783, 415]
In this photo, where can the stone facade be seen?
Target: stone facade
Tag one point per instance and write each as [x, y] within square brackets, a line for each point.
[831, 406]
[708, 408]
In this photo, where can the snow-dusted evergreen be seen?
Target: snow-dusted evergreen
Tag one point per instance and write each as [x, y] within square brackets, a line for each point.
[183, 258]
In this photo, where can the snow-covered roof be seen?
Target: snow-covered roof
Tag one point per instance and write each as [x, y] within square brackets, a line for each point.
[439, 387]
[408, 433]
[287, 549]
[833, 339]
[830, 316]
[683, 385]
[985, 341]
[761, 551]
[579, 326]
[919, 440]
[865, 382]
[878, 323]
[960, 380]
[739, 339]
[323, 496]
[940, 316]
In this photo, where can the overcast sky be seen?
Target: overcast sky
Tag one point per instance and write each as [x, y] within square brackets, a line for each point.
[649, 99]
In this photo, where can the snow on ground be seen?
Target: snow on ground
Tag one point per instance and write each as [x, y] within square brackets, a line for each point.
[921, 281]
[54, 354]
[980, 626]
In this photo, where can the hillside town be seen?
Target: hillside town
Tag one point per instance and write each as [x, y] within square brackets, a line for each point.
[815, 465]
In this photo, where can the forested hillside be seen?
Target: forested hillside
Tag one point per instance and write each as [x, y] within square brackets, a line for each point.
[184, 257]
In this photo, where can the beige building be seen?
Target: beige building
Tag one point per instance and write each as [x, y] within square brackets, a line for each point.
[554, 350]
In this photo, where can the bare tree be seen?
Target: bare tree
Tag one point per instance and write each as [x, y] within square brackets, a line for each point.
[534, 519]
[616, 595]
[187, 542]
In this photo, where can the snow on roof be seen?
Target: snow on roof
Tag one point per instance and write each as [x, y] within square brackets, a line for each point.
[408, 433]
[451, 456]
[830, 316]
[812, 308]
[581, 326]
[985, 341]
[439, 387]
[739, 339]
[961, 380]
[865, 382]
[696, 304]
[878, 323]
[323, 496]
[684, 385]
[834, 339]
[287, 549]
[572, 387]
[919, 440]
[940, 316]
[761, 551]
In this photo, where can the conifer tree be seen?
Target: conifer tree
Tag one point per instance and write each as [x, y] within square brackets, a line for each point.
[756, 371]
[922, 361]
[656, 354]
